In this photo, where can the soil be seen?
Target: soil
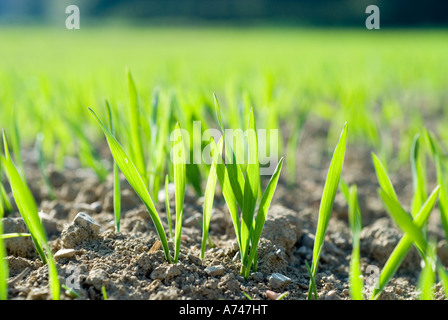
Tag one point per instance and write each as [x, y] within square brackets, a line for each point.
[130, 265]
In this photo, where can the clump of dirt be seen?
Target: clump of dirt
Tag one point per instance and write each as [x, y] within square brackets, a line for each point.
[130, 264]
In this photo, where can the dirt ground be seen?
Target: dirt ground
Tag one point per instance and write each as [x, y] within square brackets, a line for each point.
[90, 254]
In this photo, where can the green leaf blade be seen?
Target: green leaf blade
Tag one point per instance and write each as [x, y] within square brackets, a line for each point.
[134, 178]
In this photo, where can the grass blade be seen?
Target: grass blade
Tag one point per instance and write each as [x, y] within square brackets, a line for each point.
[236, 177]
[13, 235]
[210, 194]
[443, 198]
[400, 251]
[313, 286]
[228, 194]
[117, 187]
[405, 222]
[428, 275]
[136, 140]
[167, 206]
[135, 180]
[383, 178]
[356, 282]
[251, 185]
[418, 176]
[326, 205]
[28, 210]
[261, 214]
[179, 162]
[443, 276]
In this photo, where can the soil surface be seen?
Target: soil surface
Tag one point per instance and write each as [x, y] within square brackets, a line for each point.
[131, 265]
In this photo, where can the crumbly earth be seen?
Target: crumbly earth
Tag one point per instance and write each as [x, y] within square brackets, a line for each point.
[129, 264]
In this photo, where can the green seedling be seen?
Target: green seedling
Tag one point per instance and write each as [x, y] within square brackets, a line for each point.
[4, 199]
[418, 176]
[28, 210]
[242, 192]
[428, 275]
[411, 227]
[443, 276]
[179, 164]
[326, 205]
[354, 217]
[134, 178]
[437, 155]
[136, 147]
[117, 187]
[103, 290]
[17, 145]
[167, 206]
[210, 194]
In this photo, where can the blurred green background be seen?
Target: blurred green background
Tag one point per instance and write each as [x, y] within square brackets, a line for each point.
[290, 60]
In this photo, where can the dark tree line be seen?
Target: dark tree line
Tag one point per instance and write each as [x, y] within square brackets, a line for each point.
[305, 12]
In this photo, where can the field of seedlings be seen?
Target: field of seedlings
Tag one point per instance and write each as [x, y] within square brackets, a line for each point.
[223, 163]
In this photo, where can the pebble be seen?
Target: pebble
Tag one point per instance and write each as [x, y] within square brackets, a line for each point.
[278, 280]
[65, 253]
[215, 271]
[83, 228]
[332, 295]
[84, 220]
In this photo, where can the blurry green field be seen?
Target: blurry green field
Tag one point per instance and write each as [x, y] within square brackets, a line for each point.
[386, 85]
[378, 81]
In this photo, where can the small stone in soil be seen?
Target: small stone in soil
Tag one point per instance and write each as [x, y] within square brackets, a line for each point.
[84, 220]
[215, 271]
[332, 295]
[82, 228]
[65, 253]
[277, 280]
